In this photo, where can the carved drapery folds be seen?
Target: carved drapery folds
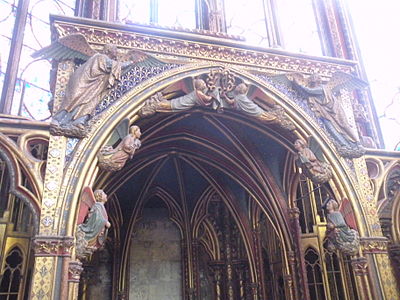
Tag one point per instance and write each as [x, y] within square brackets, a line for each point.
[325, 100]
[93, 223]
[219, 90]
[114, 159]
[90, 82]
[312, 161]
[339, 233]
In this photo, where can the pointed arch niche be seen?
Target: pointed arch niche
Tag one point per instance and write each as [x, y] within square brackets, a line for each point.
[227, 180]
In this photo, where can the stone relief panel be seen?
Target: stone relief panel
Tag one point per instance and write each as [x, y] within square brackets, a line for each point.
[155, 258]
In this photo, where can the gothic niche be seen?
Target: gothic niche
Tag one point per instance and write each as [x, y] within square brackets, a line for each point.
[155, 256]
[223, 271]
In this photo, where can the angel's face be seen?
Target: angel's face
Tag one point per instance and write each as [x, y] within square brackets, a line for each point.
[135, 131]
[298, 145]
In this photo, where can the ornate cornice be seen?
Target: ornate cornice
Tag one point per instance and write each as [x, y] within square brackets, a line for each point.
[374, 245]
[53, 245]
[198, 47]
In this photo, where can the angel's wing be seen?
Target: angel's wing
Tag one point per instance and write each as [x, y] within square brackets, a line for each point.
[288, 79]
[347, 212]
[316, 148]
[341, 80]
[121, 131]
[68, 47]
[87, 201]
[142, 59]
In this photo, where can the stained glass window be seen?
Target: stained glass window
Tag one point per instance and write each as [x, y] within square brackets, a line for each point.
[180, 13]
[298, 25]
[247, 18]
[31, 93]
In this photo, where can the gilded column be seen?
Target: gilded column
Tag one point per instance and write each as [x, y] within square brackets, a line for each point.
[374, 245]
[50, 252]
[48, 283]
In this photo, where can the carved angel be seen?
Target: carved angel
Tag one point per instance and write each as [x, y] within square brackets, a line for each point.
[241, 102]
[199, 96]
[90, 82]
[341, 227]
[312, 161]
[324, 100]
[113, 159]
[92, 222]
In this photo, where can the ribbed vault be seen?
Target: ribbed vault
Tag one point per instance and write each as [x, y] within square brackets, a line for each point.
[188, 156]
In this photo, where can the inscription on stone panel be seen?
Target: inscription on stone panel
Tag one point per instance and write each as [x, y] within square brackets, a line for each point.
[155, 270]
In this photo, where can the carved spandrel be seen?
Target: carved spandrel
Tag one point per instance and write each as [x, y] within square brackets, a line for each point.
[90, 82]
[219, 90]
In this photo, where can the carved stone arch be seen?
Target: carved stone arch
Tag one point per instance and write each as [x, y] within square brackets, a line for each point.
[8, 153]
[129, 105]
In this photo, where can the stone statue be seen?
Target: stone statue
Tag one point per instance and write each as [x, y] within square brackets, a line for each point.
[340, 236]
[239, 101]
[198, 97]
[312, 161]
[218, 90]
[92, 222]
[90, 82]
[113, 159]
[324, 100]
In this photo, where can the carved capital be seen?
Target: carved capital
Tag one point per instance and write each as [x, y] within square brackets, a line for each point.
[74, 271]
[53, 245]
[294, 213]
[360, 266]
[374, 245]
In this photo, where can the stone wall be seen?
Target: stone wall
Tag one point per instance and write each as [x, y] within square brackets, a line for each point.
[155, 258]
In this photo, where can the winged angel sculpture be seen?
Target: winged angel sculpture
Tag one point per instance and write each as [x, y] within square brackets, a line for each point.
[90, 82]
[312, 161]
[341, 231]
[92, 222]
[127, 141]
[323, 98]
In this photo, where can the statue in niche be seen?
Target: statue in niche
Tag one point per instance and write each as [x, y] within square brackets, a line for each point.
[339, 233]
[113, 159]
[324, 100]
[90, 82]
[219, 90]
[92, 223]
[312, 161]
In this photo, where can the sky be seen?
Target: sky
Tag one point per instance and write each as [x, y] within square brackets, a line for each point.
[377, 25]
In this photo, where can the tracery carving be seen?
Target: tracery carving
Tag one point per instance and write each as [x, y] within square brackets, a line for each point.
[53, 245]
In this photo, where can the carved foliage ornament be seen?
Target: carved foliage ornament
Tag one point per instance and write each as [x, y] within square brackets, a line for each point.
[53, 246]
